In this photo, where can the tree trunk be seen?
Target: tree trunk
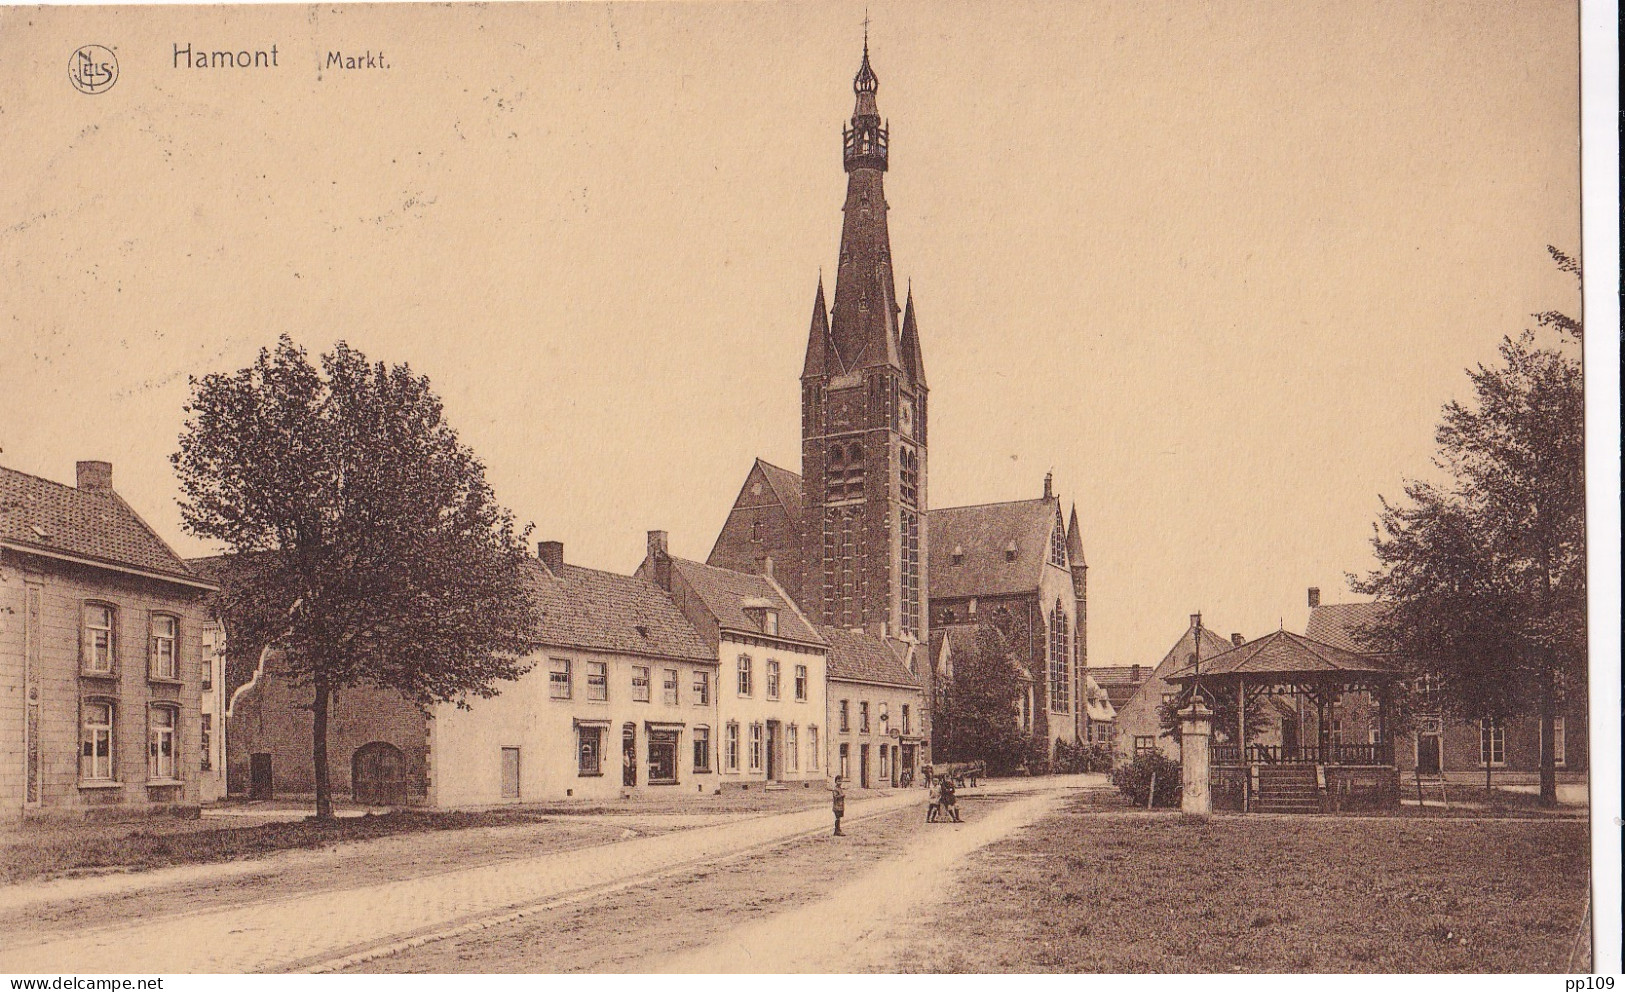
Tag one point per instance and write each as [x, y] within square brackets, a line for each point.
[1548, 731]
[318, 752]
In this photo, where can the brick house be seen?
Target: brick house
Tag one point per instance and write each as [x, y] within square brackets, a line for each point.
[619, 700]
[1436, 744]
[101, 651]
[1139, 727]
[1117, 684]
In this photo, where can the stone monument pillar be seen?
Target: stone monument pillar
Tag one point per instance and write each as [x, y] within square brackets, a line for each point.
[1195, 728]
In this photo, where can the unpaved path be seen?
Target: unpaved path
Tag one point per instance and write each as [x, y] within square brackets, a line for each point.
[306, 931]
[830, 935]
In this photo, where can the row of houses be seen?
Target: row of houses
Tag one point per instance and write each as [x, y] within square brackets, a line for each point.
[683, 676]
[1429, 743]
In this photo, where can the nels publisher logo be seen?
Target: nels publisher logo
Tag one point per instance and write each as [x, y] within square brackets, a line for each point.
[93, 69]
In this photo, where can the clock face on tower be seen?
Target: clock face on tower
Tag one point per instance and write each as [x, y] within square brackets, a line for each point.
[905, 416]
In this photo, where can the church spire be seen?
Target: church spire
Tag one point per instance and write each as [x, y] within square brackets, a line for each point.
[1074, 540]
[913, 364]
[821, 357]
[863, 320]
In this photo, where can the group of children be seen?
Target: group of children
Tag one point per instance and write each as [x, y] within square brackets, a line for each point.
[939, 793]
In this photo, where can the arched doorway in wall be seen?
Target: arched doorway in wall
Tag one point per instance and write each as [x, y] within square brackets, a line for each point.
[378, 774]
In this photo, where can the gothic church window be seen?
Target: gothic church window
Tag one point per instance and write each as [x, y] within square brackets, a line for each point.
[909, 531]
[909, 475]
[1060, 668]
[1057, 547]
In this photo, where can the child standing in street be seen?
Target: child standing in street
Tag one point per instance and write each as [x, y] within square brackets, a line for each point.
[837, 805]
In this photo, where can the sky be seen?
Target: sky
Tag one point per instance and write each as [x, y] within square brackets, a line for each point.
[1217, 266]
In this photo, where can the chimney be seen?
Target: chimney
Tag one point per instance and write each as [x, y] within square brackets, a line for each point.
[1049, 485]
[96, 477]
[659, 560]
[1134, 673]
[1314, 596]
[767, 566]
[1196, 618]
[1237, 640]
[552, 555]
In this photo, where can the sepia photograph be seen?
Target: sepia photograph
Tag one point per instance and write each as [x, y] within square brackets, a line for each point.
[721, 488]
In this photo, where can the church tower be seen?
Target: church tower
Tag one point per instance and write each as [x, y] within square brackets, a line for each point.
[863, 414]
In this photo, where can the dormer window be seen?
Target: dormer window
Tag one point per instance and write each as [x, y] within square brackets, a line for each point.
[770, 622]
[763, 614]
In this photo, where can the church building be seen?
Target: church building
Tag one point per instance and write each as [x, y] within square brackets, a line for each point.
[851, 537]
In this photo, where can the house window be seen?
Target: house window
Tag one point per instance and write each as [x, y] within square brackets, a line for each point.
[730, 744]
[1335, 735]
[845, 715]
[744, 675]
[205, 740]
[1144, 743]
[792, 748]
[702, 749]
[668, 687]
[1492, 742]
[885, 718]
[211, 653]
[770, 622]
[772, 679]
[1560, 741]
[702, 688]
[863, 717]
[812, 748]
[510, 773]
[801, 683]
[97, 653]
[885, 762]
[164, 662]
[663, 745]
[558, 678]
[640, 683]
[755, 747]
[1427, 692]
[590, 748]
[907, 729]
[846, 761]
[756, 530]
[598, 681]
[96, 747]
[161, 744]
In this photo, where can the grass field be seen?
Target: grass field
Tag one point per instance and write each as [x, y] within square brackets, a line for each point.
[1097, 890]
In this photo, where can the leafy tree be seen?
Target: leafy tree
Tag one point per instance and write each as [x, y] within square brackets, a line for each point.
[364, 543]
[1151, 779]
[1484, 576]
[978, 714]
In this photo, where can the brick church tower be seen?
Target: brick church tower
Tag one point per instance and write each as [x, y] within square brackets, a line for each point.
[863, 415]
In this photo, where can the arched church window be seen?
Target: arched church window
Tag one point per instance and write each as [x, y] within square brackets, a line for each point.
[1060, 660]
[909, 475]
[1057, 546]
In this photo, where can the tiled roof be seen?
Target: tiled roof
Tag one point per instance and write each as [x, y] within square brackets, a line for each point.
[602, 611]
[51, 517]
[1284, 653]
[1339, 624]
[1118, 682]
[855, 656]
[983, 533]
[724, 592]
[786, 485]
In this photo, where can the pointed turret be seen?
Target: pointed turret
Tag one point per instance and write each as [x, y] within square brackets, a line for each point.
[913, 364]
[1074, 540]
[821, 356]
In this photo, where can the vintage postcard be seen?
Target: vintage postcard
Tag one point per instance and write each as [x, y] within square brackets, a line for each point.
[801, 488]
